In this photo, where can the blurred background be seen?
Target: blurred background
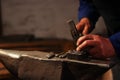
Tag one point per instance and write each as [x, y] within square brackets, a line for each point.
[41, 18]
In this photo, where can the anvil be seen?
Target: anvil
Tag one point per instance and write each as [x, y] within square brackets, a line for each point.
[38, 65]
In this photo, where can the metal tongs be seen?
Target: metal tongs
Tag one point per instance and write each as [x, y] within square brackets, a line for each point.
[74, 32]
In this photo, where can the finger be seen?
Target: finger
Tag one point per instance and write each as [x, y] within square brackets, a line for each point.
[86, 43]
[83, 38]
[80, 27]
[86, 29]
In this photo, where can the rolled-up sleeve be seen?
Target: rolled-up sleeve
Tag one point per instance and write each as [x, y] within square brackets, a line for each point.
[87, 9]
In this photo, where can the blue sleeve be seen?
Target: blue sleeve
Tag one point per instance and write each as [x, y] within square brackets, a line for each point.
[115, 40]
[87, 9]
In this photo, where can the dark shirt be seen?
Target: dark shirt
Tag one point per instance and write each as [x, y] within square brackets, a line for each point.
[110, 11]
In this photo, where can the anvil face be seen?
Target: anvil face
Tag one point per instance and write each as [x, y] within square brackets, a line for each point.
[36, 65]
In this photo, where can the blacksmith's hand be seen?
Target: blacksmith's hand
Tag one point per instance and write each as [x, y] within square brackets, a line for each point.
[84, 26]
[100, 47]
